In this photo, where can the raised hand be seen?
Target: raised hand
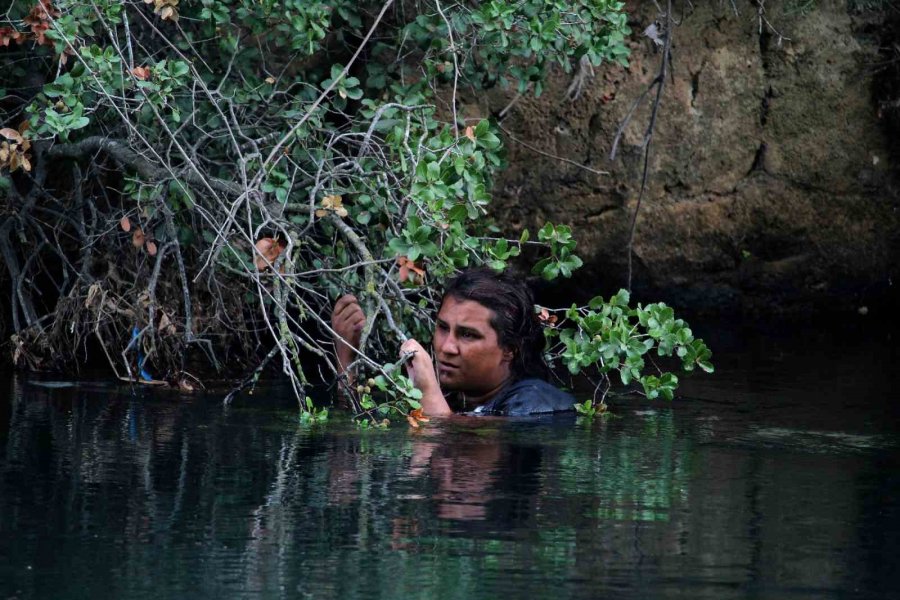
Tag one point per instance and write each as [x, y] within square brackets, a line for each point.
[347, 321]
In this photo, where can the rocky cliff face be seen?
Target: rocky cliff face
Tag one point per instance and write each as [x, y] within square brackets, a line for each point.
[771, 174]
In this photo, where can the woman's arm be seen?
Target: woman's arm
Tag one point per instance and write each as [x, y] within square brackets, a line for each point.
[420, 369]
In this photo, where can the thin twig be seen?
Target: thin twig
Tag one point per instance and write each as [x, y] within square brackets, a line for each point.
[659, 82]
[266, 165]
[553, 156]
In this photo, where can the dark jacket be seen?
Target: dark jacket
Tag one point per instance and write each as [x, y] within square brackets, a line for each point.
[527, 397]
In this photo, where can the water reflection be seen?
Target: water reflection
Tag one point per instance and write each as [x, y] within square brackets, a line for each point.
[106, 493]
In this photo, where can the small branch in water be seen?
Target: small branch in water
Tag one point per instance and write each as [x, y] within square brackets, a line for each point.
[253, 377]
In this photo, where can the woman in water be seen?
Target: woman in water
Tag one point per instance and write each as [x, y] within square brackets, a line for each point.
[488, 347]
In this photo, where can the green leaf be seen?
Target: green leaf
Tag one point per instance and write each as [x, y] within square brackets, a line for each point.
[550, 271]
[459, 212]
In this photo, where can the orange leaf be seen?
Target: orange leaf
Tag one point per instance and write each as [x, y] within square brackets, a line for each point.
[419, 415]
[412, 421]
[151, 248]
[142, 73]
[470, 133]
[48, 8]
[409, 271]
[125, 224]
[268, 250]
[137, 238]
[39, 29]
[545, 317]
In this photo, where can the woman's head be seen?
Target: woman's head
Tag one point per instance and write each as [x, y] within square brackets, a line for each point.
[512, 306]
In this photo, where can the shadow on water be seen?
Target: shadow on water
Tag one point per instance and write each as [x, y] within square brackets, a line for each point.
[777, 478]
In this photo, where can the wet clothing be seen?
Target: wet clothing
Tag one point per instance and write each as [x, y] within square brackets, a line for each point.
[527, 397]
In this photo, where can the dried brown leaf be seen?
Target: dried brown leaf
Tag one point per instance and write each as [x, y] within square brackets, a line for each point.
[11, 134]
[165, 325]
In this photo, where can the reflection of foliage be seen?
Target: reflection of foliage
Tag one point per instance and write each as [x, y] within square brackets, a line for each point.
[246, 500]
[631, 477]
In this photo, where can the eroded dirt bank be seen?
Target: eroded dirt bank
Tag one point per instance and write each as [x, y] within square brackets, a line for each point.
[772, 176]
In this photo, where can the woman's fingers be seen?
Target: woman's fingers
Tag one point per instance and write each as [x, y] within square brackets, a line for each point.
[347, 308]
[348, 316]
[354, 321]
[344, 301]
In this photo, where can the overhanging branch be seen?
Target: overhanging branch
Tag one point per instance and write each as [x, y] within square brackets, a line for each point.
[129, 157]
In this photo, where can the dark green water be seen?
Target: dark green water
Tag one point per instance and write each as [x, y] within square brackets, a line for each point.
[779, 477]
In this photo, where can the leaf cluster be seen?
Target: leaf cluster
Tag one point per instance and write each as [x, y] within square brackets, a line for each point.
[608, 337]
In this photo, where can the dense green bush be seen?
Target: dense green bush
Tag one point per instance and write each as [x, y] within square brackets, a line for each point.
[208, 176]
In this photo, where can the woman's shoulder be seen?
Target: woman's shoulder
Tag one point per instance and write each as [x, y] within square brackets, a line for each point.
[529, 396]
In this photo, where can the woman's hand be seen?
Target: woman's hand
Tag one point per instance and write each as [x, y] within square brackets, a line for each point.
[420, 369]
[347, 321]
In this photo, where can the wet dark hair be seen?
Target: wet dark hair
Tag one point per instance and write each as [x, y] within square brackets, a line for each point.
[512, 302]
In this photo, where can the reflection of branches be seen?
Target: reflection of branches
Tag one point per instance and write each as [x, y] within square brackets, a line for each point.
[269, 517]
[658, 84]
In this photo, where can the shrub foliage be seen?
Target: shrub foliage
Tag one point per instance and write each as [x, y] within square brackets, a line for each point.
[202, 179]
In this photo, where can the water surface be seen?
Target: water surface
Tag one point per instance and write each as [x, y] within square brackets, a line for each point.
[776, 478]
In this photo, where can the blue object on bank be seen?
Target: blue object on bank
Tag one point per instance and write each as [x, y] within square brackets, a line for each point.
[140, 356]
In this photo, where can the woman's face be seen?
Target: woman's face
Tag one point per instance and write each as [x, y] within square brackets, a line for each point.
[467, 349]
